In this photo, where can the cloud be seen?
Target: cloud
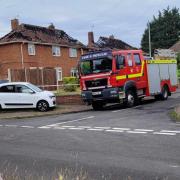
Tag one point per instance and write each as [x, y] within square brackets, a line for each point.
[126, 19]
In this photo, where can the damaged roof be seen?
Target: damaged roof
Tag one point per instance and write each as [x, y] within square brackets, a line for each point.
[42, 35]
[112, 43]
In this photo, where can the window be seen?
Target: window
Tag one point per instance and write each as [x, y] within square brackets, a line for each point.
[59, 73]
[23, 89]
[137, 59]
[7, 89]
[74, 72]
[129, 60]
[56, 51]
[31, 49]
[120, 61]
[72, 52]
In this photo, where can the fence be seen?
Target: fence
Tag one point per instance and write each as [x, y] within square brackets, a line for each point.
[44, 77]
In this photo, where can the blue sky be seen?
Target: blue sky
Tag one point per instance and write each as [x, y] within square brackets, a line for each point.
[125, 19]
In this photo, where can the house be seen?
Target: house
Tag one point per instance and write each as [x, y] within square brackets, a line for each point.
[176, 47]
[107, 43]
[30, 46]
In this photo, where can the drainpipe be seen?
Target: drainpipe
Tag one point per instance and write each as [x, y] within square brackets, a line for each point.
[22, 61]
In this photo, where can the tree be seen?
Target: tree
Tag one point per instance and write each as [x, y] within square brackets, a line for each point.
[165, 30]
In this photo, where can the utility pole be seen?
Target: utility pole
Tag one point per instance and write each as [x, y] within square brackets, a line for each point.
[149, 38]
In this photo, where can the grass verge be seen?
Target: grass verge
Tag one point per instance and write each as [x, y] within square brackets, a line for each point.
[175, 115]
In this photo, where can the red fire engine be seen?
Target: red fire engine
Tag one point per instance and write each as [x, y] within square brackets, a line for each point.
[124, 76]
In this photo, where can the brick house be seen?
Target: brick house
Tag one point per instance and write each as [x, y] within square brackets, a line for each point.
[29, 46]
[107, 43]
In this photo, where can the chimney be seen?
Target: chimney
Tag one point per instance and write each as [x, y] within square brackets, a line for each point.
[51, 26]
[14, 24]
[90, 39]
[111, 36]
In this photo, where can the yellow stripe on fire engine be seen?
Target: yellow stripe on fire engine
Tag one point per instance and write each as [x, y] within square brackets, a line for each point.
[138, 74]
[120, 77]
[172, 61]
[132, 75]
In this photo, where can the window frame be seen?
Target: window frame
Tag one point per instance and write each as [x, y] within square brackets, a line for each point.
[73, 54]
[74, 72]
[57, 49]
[31, 49]
[124, 63]
[135, 60]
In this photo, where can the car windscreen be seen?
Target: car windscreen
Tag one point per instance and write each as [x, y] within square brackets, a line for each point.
[96, 66]
[35, 88]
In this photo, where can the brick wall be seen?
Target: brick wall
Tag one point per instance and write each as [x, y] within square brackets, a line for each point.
[70, 99]
[10, 57]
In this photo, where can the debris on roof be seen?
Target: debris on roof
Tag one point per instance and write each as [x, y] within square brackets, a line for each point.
[38, 34]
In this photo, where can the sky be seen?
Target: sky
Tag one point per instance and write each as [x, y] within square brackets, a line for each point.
[125, 19]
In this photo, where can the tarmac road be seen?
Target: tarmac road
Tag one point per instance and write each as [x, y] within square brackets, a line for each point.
[116, 143]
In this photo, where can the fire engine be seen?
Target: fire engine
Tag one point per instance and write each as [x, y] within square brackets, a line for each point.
[124, 76]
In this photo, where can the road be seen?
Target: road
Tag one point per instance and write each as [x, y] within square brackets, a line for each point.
[116, 143]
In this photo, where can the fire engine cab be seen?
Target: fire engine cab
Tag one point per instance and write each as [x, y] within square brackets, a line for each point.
[124, 76]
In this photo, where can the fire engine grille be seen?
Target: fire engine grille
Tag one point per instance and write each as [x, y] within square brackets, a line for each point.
[96, 83]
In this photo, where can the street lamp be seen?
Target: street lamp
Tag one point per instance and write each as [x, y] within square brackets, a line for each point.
[149, 28]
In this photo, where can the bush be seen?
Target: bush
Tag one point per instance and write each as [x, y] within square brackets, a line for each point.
[70, 84]
[178, 60]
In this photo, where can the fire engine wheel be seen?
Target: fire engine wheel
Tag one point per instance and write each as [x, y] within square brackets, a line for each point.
[97, 105]
[165, 92]
[130, 100]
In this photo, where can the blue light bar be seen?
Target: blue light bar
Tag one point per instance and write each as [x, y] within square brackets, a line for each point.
[96, 55]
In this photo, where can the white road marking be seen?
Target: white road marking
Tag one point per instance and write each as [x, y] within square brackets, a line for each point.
[67, 126]
[146, 130]
[85, 118]
[136, 132]
[163, 133]
[44, 127]
[169, 131]
[92, 129]
[123, 129]
[112, 130]
[1, 125]
[27, 126]
[76, 128]
[85, 127]
[102, 127]
[10, 125]
[58, 128]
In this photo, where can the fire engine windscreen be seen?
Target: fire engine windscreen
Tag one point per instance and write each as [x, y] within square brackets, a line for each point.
[96, 66]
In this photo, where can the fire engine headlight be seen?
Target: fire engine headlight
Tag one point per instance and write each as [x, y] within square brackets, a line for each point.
[83, 95]
[113, 92]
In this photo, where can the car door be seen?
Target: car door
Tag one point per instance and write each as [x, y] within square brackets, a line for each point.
[8, 98]
[25, 95]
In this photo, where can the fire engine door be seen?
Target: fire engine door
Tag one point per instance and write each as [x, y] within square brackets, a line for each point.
[121, 66]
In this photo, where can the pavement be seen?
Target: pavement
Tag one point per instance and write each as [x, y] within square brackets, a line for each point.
[117, 143]
[30, 113]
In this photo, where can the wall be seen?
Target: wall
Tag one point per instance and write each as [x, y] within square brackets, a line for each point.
[70, 99]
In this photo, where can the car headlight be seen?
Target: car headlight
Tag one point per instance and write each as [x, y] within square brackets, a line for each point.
[52, 97]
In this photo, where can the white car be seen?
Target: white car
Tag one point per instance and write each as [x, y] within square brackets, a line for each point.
[25, 95]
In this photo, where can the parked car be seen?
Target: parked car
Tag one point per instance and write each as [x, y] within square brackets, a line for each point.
[25, 95]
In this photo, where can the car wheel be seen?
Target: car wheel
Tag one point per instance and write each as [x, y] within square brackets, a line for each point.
[130, 100]
[42, 106]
